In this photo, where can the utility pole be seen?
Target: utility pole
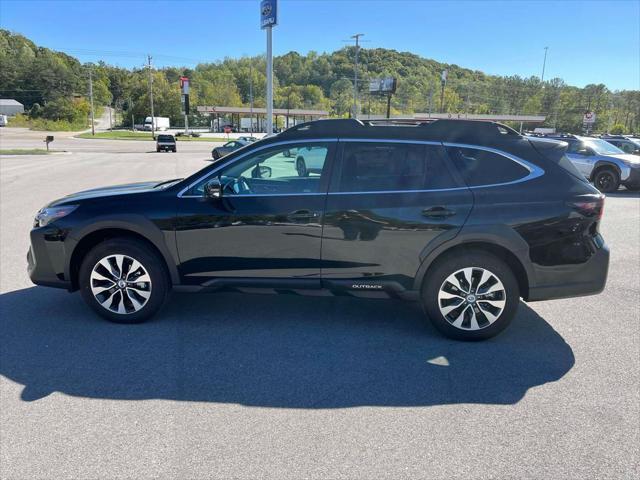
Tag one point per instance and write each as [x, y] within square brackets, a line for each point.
[355, 75]
[430, 100]
[93, 128]
[251, 98]
[153, 118]
[544, 64]
[133, 126]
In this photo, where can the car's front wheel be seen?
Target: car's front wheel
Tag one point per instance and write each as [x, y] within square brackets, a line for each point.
[606, 180]
[123, 280]
[472, 296]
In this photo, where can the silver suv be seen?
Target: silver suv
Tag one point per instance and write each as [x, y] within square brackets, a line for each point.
[602, 163]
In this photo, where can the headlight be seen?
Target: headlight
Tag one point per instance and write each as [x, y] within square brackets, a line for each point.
[49, 214]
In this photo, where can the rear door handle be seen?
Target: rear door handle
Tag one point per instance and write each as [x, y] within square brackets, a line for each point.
[300, 215]
[438, 212]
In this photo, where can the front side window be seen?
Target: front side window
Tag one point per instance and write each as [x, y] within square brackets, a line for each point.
[273, 171]
[481, 167]
[379, 166]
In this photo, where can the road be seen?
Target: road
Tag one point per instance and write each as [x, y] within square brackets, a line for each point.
[285, 387]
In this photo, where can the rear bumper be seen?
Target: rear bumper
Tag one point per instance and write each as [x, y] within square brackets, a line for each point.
[588, 278]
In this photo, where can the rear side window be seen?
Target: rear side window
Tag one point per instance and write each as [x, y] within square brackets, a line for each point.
[480, 167]
[379, 166]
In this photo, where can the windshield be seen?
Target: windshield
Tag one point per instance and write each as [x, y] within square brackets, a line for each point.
[603, 148]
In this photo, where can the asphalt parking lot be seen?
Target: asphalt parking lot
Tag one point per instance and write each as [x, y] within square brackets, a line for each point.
[230, 386]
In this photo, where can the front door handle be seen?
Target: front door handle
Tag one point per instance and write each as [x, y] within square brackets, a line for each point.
[438, 212]
[302, 215]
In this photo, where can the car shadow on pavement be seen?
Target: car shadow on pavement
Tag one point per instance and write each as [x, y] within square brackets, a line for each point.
[270, 351]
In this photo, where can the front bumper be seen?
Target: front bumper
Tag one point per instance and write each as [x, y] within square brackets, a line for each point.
[633, 180]
[46, 259]
[565, 281]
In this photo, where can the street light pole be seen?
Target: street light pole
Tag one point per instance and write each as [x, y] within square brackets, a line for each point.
[355, 75]
[544, 64]
[153, 118]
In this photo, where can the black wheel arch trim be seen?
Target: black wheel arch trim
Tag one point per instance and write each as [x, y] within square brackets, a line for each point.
[496, 235]
[136, 224]
[604, 164]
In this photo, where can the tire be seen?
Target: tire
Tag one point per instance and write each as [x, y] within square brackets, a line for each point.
[440, 299]
[174, 150]
[606, 180]
[137, 302]
[157, 150]
[301, 167]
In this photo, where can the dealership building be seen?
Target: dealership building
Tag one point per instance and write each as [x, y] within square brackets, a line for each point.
[10, 107]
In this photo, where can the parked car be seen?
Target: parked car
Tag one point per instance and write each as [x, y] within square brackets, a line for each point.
[602, 163]
[248, 139]
[309, 160]
[464, 217]
[165, 143]
[626, 144]
[219, 152]
[3, 120]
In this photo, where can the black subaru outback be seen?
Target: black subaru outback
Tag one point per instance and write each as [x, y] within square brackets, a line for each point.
[464, 217]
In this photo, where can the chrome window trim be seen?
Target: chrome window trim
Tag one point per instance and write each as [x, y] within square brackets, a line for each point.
[250, 152]
[534, 170]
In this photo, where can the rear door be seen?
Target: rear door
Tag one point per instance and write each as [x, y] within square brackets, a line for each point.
[387, 201]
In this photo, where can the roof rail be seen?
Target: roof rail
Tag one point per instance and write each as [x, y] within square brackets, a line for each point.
[447, 130]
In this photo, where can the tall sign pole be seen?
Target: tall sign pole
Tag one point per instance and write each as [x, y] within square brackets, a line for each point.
[356, 110]
[443, 83]
[184, 87]
[268, 20]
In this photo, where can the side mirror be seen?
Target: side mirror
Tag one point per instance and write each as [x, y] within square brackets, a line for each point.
[261, 171]
[213, 189]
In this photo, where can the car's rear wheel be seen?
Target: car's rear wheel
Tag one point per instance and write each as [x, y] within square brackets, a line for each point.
[606, 180]
[301, 167]
[472, 296]
[123, 281]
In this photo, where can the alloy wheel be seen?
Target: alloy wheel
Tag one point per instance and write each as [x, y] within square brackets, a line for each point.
[121, 284]
[605, 181]
[471, 298]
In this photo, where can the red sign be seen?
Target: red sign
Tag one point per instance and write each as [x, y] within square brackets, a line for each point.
[184, 85]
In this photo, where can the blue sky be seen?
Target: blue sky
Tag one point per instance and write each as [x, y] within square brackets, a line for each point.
[589, 41]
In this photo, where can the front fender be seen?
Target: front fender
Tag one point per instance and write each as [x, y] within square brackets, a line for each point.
[164, 241]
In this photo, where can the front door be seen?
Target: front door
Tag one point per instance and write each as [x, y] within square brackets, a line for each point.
[266, 225]
[582, 157]
[388, 201]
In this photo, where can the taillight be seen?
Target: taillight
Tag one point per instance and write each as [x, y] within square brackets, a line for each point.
[589, 205]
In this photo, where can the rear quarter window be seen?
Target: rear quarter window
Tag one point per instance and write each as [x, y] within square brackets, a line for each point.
[481, 167]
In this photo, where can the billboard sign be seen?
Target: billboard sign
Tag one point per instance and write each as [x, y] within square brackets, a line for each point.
[385, 85]
[268, 13]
